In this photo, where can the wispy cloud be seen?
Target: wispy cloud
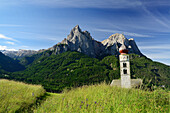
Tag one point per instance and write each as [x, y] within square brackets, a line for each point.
[160, 55]
[90, 3]
[77, 3]
[3, 47]
[11, 43]
[6, 48]
[157, 52]
[7, 38]
[163, 57]
[36, 36]
[163, 23]
[156, 2]
[87, 3]
[156, 47]
[123, 32]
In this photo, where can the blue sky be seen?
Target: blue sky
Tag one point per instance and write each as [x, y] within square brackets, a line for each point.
[40, 24]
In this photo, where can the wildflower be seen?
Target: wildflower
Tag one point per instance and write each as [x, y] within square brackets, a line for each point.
[87, 99]
[95, 102]
[82, 102]
[87, 105]
[32, 94]
[80, 106]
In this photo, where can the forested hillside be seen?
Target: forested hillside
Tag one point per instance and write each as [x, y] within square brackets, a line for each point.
[7, 64]
[74, 69]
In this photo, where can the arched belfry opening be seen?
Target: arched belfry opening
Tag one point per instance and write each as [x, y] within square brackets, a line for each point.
[125, 71]
[124, 65]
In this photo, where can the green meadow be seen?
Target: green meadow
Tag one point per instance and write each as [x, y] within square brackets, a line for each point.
[18, 97]
[105, 99]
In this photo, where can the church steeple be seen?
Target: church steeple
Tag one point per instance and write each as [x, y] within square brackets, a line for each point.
[124, 67]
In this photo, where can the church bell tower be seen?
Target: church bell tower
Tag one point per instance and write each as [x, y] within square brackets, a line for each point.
[124, 67]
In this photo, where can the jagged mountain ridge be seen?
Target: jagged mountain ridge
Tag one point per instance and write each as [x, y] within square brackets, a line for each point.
[82, 41]
[20, 53]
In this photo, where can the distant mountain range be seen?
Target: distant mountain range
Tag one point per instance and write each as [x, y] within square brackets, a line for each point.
[20, 53]
[81, 41]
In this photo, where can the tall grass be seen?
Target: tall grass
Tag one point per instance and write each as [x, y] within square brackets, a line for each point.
[106, 99]
[16, 96]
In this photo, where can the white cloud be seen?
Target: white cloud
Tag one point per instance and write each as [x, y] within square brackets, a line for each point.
[11, 43]
[7, 38]
[125, 33]
[6, 48]
[3, 47]
[11, 49]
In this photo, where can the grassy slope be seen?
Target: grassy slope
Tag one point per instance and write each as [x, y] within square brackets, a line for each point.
[103, 98]
[73, 69]
[16, 96]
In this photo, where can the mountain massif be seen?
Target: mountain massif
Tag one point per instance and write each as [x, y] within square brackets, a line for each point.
[82, 41]
[80, 60]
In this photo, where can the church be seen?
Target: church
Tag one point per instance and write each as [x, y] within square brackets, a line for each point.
[125, 81]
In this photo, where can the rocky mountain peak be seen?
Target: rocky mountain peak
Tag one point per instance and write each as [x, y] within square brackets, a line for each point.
[76, 28]
[82, 41]
[115, 39]
[77, 34]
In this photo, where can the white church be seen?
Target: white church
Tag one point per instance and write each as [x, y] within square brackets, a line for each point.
[125, 81]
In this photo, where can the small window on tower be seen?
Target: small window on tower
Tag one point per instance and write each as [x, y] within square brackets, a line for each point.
[124, 65]
[125, 71]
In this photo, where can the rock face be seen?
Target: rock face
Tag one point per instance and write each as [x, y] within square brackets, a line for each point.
[82, 41]
[114, 42]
